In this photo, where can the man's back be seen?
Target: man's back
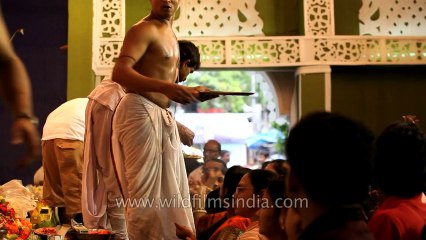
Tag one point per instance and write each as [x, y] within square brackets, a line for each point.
[66, 121]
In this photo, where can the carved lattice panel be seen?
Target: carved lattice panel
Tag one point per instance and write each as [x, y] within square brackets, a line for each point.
[393, 17]
[270, 99]
[370, 51]
[236, 52]
[111, 19]
[108, 34]
[264, 52]
[212, 51]
[318, 17]
[218, 18]
[108, 52]
[342, 51]
[405, 51]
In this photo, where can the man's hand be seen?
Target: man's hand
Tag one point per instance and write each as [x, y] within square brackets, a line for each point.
[23, 130]
[202, 96]
[183, 232]
[185, 95]
[185, 134]
[181, 94]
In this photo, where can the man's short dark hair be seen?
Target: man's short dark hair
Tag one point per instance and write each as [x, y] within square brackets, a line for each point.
[332, 156]
[188, 51]
[400, 159]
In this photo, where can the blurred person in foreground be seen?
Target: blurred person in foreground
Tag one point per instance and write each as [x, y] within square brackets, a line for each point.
[330, 165]
[15, 88]
[399, 167]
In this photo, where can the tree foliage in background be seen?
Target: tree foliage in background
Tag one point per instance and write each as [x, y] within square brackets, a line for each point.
[235, 81]
[283, 128]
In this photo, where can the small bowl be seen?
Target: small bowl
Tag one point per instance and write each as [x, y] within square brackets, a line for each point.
[3, 233]
[87, 236]
[43, 236]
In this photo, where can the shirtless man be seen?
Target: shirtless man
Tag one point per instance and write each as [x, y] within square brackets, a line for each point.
[100, 190]
[145, 136]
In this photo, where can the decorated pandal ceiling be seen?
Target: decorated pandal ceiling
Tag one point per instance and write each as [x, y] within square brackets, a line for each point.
[229, 34]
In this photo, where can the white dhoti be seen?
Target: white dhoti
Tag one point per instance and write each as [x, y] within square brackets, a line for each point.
[156, 186]
[100, 189]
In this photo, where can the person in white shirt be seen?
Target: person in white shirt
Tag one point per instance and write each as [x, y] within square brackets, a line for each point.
[62, 151]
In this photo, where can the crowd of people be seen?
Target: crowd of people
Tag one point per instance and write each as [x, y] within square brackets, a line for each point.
[120, 150]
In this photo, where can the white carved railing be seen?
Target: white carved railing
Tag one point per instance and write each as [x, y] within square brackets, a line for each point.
[261, 52]
[108, 34]
[302, 51]
[319, 46]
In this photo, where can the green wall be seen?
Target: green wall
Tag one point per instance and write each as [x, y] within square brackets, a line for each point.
[281, 17]
[136, 10]
[312, 90]
[346, 20]
[81, 79]
[380, 95]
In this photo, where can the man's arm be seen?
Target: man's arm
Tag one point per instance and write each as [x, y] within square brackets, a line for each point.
[15, 87]
[135, 45]
[15, 83]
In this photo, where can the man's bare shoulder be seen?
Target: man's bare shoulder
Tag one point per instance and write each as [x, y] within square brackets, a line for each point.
[147, 23]
[143, 26]
[143, 31]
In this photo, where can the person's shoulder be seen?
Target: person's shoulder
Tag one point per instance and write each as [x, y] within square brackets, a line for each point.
[79, 102]
[142, 31]
[383, 218]
[145, 25]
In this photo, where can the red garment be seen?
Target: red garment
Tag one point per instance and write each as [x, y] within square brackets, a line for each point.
[399, 218]
[209, 220]
[230, 229]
